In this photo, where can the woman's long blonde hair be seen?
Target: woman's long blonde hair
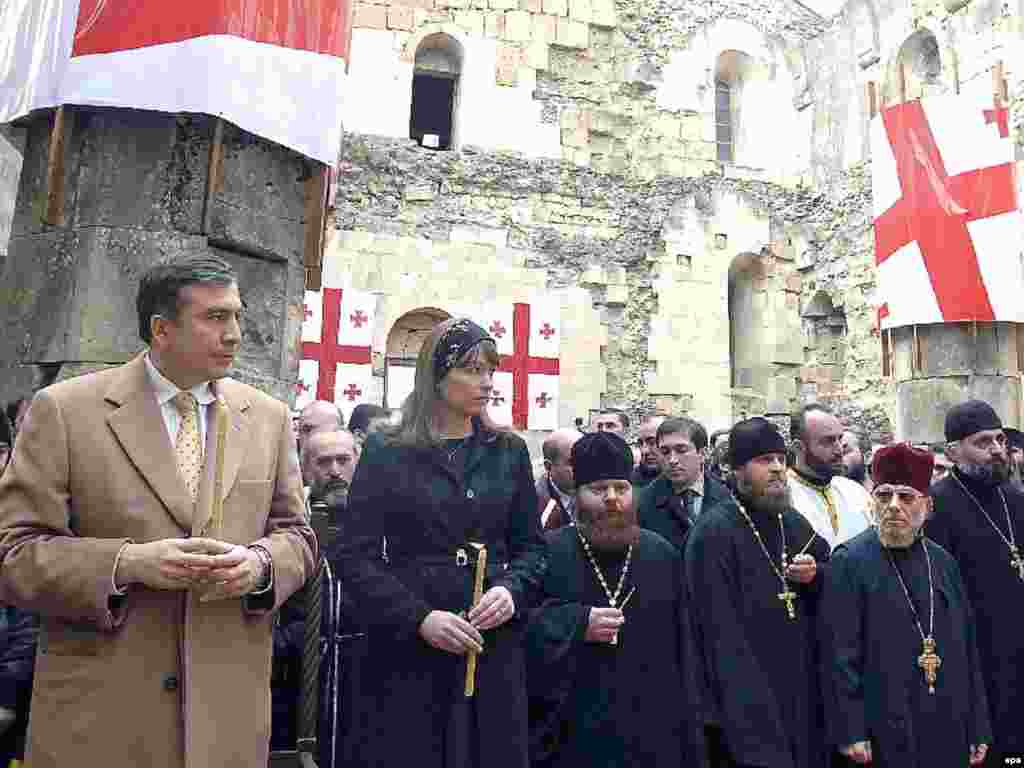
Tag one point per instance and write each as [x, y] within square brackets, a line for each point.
[423, 406]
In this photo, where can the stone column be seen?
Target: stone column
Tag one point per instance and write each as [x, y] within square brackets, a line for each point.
[135, 192]
[940, 365]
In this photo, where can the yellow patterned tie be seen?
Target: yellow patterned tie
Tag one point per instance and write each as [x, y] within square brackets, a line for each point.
[187, 446]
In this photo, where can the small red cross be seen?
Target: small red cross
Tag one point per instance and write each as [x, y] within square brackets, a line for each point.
[306, 311]
[352, 393]
[498, 329]
[1001, 117]
[301, 387]
[934, 211]
[496, 398]
[547, 331]
[543, 400]
[358, 318]
[328, 352]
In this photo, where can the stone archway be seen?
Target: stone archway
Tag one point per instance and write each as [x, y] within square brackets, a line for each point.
[404, 341]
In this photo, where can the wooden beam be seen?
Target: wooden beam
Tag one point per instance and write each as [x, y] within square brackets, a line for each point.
[53, 213]
[1000, 88]
[903, 82]
[872, 95]
[315, 221]
[214, 172]
[886, 353]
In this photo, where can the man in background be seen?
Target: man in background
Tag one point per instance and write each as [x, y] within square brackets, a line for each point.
[556, 489]
[610, 420]
[650, 458]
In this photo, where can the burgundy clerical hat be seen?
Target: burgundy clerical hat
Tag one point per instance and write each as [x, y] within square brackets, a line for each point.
[902, 464]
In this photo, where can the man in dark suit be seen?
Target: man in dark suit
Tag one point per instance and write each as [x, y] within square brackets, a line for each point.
[556, 491]
[672, 503]
[156, 613]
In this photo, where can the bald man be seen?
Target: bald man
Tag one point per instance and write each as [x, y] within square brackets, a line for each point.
[317, 416]
[556, 489]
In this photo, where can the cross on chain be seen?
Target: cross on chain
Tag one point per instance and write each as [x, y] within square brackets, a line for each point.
[929, 661]
[934, 211]
[788, 597]
[1016, 562]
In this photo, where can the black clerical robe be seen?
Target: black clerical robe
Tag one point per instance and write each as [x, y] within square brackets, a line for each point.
[758, 667]
[995, 590]
[614, 706]
[870, 649]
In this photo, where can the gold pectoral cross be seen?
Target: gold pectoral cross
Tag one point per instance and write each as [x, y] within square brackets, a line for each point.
[929, 661]
[1016, 562]
[789, 597]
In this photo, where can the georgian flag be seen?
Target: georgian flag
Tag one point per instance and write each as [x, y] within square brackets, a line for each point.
[947, 225]
[268, 66]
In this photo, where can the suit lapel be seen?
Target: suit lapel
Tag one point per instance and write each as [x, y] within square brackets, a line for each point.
[234, 447]
[139, 427]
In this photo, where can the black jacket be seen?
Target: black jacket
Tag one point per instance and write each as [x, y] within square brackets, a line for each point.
[410, 511]
[659, 510]
[18, 633]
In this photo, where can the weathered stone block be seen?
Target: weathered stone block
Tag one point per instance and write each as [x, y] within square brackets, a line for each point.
[580, 10]
[503, 5]
[507, 61]
[531, 6]
[617, 295]
[556, 7]
[603, 13]
[400, 17]
[494, 24]
[518, 26]
[470, 21]
[537, 55]
[922, 404]
[370, 16]
[544, 28]
[12, 150]
[572, 34]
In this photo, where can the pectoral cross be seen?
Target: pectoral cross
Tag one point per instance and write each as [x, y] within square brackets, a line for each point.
[1017, 562]
[929, 661]
[789, 597]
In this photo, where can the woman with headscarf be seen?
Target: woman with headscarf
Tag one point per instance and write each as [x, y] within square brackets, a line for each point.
[422, 495]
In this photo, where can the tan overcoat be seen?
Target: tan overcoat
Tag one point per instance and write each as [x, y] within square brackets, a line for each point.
[154, 679]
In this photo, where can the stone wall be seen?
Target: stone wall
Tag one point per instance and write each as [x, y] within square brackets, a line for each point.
[135, 186]
[12, 147]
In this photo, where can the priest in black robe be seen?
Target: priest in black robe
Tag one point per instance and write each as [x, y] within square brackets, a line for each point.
[608, 665]
[897, 635]
[979, 519]
[752, 571]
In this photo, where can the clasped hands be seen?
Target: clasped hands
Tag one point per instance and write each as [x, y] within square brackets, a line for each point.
[214, 569]
[453, 633]
[860, 753]
[802, 569]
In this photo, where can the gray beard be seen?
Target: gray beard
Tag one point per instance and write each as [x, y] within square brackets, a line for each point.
[986, 474]
[889, 541]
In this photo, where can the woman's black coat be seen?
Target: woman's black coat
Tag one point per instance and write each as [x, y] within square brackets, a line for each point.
[410, 511]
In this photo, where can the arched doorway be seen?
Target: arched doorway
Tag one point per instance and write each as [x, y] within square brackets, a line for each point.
[403, 346]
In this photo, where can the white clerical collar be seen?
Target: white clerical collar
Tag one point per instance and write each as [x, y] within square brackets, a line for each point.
[166, 390]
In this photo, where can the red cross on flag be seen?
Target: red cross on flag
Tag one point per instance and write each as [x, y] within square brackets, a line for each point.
[332, 367]
[525, 390]
[265, 65]
[947, 225]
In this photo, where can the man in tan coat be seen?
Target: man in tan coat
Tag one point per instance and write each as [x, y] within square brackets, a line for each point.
[156, 628]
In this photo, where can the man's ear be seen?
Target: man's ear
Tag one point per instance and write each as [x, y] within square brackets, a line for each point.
[953, 451]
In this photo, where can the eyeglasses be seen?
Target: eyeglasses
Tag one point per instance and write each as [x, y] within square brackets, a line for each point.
[883, 494]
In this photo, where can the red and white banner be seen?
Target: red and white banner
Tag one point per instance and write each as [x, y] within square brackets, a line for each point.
[275, 68]
[948, 235]
[527, 379]
[329, 369]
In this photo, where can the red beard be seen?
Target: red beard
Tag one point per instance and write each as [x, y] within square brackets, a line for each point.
[611, 530]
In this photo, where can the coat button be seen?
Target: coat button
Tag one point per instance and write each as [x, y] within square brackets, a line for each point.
[170, 683]
[470, 494]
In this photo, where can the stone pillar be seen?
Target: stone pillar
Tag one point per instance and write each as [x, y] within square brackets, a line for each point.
[135, 192]
[938, 366]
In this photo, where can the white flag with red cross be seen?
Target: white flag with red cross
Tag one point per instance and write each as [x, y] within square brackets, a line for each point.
[526, 383]
[946, 216]
[265, 65]
[337, 333]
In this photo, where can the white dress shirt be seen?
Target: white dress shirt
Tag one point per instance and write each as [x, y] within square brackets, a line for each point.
[167, 390]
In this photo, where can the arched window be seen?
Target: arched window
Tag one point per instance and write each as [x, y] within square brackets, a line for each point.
[403, 347]
[435, 92]
[723, 121]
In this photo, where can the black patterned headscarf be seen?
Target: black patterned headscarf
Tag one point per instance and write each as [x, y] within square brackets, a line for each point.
[460, 338]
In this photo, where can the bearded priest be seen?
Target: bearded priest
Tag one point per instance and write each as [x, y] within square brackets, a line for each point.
[752, 571]
[608, 658]
[897, 634]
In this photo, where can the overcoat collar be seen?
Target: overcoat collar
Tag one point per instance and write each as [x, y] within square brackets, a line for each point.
[138, 424]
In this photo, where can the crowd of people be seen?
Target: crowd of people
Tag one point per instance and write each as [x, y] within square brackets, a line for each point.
[655, 597]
